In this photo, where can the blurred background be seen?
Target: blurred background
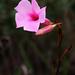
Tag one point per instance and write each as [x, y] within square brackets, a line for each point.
[23, 53]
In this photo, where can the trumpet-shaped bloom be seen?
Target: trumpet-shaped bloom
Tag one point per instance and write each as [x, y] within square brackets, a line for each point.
[45, 29]
[49, 26]
[29, 15]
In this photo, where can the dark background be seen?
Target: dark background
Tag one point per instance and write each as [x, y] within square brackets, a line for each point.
[37, 54]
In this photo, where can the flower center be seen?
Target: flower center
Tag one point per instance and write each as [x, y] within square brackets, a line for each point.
[34, 17]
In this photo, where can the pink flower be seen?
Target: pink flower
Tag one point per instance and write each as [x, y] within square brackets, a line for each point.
[29, 15]
[48, 27]
[45, 29]
[47, 22]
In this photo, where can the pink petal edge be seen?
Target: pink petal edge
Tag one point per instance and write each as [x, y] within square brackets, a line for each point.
[35, 6]
[32, 26]
[42, 15]
[20, 19]
[23, 6]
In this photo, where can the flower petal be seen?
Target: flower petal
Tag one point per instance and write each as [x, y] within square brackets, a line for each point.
[35, 6]
[47, 22]
[20, 19]
[23, 6]
[32, 26]
[45, 29]
[42, 15]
